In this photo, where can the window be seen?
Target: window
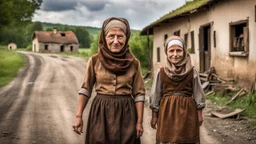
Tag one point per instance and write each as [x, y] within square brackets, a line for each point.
[186, 38]
[177, 33]
[158, 54]
[63, 34]
[165, 37]
[239, 38]
[192, 36]
[45, 47]
[214, 39]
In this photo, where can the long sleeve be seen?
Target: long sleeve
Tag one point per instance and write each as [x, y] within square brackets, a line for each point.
[155, 95]
[89, 79]
[138, 89]
[198, 92]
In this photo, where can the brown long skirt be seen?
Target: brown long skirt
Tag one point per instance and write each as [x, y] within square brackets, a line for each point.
[177, 120]
[112, 120]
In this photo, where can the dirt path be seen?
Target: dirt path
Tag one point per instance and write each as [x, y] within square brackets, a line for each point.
[39, 105]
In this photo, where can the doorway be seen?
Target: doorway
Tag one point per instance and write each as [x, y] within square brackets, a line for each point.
[205, 47]
[62, 48]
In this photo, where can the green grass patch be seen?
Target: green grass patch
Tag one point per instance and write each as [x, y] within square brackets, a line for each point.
[10, 63]
[82, 52]
[253, 122]
[248, 102]
[148, 83]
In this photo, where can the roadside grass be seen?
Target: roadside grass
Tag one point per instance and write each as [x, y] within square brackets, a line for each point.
[10, 63]
[247, 101]
[82, 52]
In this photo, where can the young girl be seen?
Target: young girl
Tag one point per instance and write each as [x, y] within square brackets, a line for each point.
[177, 98]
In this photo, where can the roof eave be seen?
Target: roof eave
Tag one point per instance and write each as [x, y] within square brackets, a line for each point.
[186, 13]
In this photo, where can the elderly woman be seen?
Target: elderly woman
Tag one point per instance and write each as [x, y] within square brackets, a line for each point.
[177, 98]
[117, 110]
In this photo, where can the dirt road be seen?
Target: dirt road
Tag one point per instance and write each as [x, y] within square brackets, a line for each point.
[39, 106]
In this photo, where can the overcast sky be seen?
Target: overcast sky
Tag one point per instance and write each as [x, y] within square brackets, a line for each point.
[139, 13]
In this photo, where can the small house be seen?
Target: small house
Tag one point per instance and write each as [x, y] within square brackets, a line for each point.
[54, 41]
[12, 46]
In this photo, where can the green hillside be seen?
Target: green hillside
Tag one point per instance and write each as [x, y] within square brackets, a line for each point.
[92, 30]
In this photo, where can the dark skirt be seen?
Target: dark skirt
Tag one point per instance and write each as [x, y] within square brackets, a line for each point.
[112, 120]
[178, 120]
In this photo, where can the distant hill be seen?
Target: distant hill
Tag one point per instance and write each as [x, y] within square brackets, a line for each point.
[92, 30]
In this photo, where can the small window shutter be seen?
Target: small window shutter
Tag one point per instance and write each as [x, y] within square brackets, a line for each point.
[192, 42]
[186, 38]
[246, 39]
[158, 54]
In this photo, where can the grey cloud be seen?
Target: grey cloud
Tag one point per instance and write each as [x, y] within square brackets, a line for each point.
[58, 5]
[94, 5]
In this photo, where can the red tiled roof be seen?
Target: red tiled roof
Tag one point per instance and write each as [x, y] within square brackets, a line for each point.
[60, 37]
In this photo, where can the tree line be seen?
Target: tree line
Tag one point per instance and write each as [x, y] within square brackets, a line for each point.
[22, 34]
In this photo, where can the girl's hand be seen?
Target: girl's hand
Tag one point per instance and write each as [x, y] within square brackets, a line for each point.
[139, 129]
[78, 125]
[154, 123]
[200, 120]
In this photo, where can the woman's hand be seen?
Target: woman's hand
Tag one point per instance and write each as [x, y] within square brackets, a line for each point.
[200, 120]
[200, 116]
[139, 129]
[154, 122]
[78, 125]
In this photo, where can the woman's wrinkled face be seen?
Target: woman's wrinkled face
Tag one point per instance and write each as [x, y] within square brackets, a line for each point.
[175, 54]
[115, 39]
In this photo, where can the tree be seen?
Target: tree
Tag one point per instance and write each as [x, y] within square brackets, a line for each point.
[30, 29]
[141, 47]
[83, 37]
[94, 45]
[17, 10]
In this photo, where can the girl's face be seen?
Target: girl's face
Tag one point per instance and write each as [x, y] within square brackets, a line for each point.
[175, 54]
[115, 39]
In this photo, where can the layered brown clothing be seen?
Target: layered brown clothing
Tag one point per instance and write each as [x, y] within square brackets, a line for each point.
[118, 83]
[177, 117]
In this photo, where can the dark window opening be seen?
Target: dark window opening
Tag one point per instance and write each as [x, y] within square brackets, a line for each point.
[186, 38]
[206, 37]
[177, 33]
[239, 37]
[165, 37]
[63, 34]
[158, 54]
[45, 47]
[71, 48]
[192, 36]
[61, 48]
[214, 39]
